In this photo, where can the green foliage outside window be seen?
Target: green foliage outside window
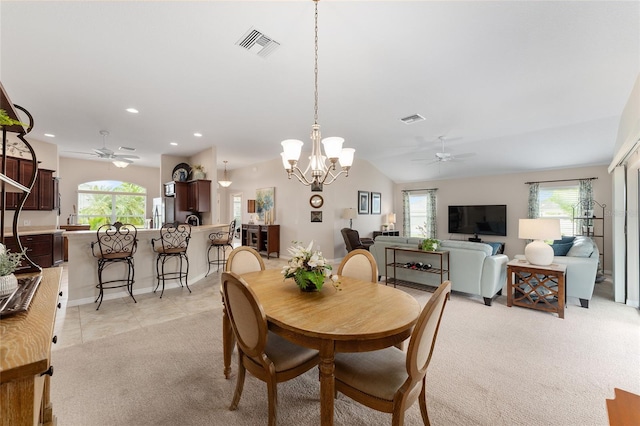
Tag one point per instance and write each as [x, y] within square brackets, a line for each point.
[103, 202]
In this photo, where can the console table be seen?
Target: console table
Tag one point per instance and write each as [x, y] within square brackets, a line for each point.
[536, 287]
[393, 262]
[264, 238]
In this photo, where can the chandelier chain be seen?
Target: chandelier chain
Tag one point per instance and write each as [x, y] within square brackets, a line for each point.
[315, 68]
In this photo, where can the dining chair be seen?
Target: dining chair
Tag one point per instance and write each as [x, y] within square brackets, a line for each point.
[387, 380]
[116, 243]
[220, 240]
[172, 244]
[241, 260]
[359, 264]
[264, 354]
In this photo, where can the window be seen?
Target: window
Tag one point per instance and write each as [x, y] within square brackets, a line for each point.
[419, 213]
[557, 202]
[108, 201]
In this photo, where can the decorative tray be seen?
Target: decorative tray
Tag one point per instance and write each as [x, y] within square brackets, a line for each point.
[20, 299]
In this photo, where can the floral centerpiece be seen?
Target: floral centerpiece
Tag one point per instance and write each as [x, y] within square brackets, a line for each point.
[9, 262]
[307, 267]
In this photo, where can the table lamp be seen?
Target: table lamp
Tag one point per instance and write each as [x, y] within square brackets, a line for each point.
[391, 218]
[350, 214]
[538, 252]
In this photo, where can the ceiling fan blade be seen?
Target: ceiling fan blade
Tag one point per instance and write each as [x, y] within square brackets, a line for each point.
[126, 156]
[465, 155]
[103, 151]
[80, 152]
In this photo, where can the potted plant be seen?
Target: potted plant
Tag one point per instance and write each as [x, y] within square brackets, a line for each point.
[307, 267]
[430, 244]
[5, 120]
[8, 264]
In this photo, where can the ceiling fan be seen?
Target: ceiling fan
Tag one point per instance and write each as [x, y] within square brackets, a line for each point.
[108, 154]
[445, 157]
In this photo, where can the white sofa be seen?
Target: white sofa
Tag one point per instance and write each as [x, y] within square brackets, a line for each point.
[474, 268]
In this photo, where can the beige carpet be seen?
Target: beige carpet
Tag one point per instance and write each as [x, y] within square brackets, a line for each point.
[492, 366]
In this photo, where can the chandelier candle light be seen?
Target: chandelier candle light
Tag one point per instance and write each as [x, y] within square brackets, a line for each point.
[321, 172]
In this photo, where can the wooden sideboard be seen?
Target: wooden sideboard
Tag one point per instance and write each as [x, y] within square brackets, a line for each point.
[264, 238]
[25, 355]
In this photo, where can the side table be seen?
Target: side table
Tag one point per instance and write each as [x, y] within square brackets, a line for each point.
[536, 287]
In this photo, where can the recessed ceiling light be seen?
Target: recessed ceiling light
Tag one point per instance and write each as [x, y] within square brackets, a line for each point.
[173, 143]
[197, 135]
[50, 135]
[132, 110]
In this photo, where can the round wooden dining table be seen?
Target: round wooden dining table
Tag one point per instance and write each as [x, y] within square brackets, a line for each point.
[356, 316]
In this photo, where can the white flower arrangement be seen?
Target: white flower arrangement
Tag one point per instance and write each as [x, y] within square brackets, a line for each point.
[306, 265]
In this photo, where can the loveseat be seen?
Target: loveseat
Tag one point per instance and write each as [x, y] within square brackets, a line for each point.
[475, 269]
[581, 255]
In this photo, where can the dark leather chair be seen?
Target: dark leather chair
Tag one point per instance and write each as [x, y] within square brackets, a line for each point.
[353, 241]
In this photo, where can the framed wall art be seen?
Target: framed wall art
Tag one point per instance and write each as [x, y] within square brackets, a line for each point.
[363, 202]
[316, 216]
[266, 201]
[376, 199]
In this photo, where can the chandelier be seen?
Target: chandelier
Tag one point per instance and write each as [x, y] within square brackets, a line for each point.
[225, 182]
[321, 172]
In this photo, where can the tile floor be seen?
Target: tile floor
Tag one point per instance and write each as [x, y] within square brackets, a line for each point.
[81, 324]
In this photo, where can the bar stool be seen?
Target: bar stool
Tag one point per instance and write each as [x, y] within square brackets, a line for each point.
[220, 240]
[173, 243]
[116, 243]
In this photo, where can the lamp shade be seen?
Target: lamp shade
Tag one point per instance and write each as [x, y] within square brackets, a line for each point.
[350, 213]
[538, 252]
[391, 218]
[539, 229]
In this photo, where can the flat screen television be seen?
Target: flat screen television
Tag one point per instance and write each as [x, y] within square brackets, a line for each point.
[478, 220]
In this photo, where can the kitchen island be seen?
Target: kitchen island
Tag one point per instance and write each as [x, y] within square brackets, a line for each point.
[83, 269]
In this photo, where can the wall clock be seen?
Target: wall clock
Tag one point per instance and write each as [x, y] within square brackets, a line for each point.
[316, 201]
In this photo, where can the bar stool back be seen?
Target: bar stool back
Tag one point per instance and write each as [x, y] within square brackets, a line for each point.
[116, 243]
[173, 243]
[220, 240]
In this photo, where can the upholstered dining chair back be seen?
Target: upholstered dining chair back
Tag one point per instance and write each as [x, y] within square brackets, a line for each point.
[266, 355]
[359, 264]
[116, 240]
[390, 380]
[244, 259]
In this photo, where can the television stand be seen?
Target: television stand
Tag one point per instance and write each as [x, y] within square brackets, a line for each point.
[475, 239]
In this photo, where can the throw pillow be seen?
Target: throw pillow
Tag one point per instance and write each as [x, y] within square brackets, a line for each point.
[561, 249]
[581, 248]
[565, 239]
[495, 247]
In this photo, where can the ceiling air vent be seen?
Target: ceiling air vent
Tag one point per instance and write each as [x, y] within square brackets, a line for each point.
[256, 42]
[412, 119]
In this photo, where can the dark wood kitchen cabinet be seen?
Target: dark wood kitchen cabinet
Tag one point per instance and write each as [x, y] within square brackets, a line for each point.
[44, 193]
[199, 196]
[45, 250]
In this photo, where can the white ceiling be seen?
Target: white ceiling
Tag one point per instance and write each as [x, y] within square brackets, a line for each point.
[525, 85]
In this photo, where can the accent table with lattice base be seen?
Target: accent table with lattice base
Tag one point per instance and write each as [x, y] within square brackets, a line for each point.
[536, 287]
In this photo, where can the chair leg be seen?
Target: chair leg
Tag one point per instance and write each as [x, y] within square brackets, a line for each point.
[239, 383]
[101, 292]
[228, 341]
[272, 393]
[423, 403]
[157, 273]
[131, 278]
[186, 274]
[209, 260]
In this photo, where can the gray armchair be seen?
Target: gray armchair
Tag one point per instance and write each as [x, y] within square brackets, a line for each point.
[353, 241]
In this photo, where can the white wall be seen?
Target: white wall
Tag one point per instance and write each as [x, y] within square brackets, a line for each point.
[293, 211]
[512, 191]
[75, 171]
